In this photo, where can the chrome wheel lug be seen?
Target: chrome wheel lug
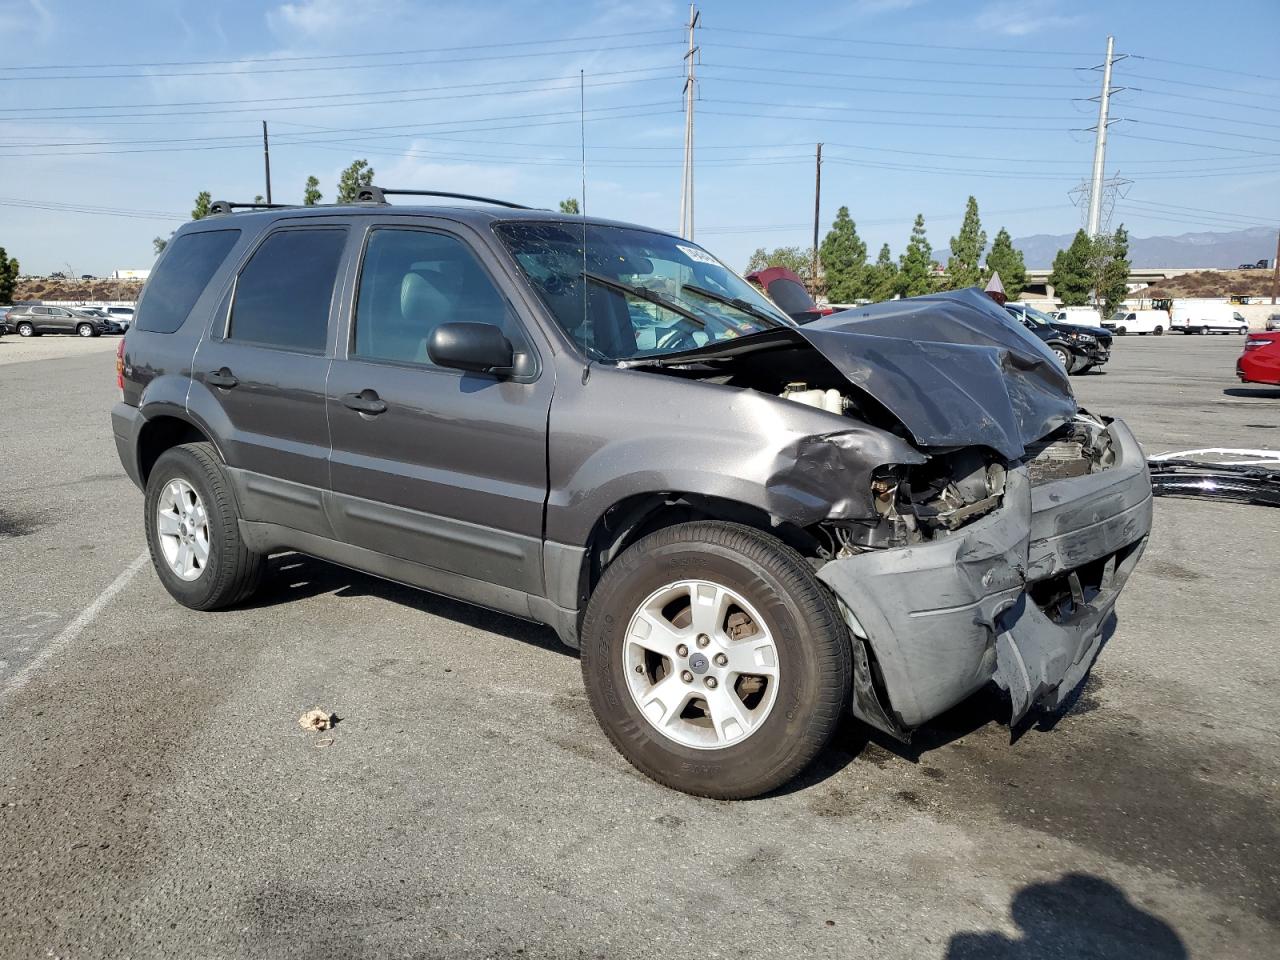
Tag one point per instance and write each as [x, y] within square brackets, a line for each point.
[686, 676]
[711, 683]
[702, 640]
[721, 660]
[682, 651]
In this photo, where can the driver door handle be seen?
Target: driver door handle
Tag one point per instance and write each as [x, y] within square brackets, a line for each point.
[366, 401]
[223, 378]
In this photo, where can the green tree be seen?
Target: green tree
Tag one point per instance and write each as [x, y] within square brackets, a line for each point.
[1006, 260]
[159, 243]
[259, 198]
[8, 276]
[799, 260]
[1112, 278]
[915, 269]
[201, 209]
[570, 205]
[882, 282]
[964, 266]
[1072, 276]
[311, 194]
[844, 260]
[358, 175]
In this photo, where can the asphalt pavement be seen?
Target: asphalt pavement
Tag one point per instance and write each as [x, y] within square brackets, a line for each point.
[158, 798]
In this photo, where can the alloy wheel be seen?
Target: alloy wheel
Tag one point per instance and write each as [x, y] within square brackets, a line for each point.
[701, 664]
[182, 527]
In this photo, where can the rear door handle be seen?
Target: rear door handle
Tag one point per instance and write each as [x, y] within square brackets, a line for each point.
[366, 401]
[223, 378]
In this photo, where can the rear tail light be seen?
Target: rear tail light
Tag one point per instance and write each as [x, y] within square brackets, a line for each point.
[120, 366]
[1253, 343]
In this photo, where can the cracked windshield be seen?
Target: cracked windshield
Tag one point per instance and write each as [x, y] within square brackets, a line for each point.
[636, 293]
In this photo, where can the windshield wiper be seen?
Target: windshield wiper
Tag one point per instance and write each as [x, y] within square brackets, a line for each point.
[642, 293]
[745, 306]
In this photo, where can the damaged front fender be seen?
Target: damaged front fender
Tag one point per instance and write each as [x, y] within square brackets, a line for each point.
[1021, 596]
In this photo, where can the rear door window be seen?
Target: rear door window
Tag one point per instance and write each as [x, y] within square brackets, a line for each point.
[188, 266]
[283, 293]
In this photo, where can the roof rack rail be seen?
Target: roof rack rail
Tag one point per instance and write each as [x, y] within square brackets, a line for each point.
[226, 206]
[372, 194]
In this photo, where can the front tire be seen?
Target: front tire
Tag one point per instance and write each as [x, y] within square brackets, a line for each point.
[193, 531]
[1159, 331]
[26, 330]
[1065, 358]
[85, 330]
[715, 660]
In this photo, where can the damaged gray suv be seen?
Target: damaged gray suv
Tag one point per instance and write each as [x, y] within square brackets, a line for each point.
[746, 527]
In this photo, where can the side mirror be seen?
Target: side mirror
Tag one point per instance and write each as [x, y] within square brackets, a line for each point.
[477, 347]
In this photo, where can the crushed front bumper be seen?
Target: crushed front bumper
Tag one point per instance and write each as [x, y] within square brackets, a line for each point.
[1022, 596]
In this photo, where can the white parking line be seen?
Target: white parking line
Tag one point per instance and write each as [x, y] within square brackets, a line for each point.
[76, 626]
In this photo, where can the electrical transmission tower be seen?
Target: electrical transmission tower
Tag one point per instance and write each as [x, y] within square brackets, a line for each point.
[690, 94]
[1097, 191]
[1096, 217]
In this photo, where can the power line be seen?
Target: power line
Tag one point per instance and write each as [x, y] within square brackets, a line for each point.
[345, 56]
[946, 81]
[1205, 66]
[846, 108]
[894, 43]
[319, 96]
[351, 66]
[1265, 221]
[356, 103]
[915, 61]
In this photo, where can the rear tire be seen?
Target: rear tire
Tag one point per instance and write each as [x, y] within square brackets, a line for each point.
[229, 572]
[688, 583]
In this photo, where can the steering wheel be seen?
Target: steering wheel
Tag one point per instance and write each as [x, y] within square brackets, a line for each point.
[676, 339]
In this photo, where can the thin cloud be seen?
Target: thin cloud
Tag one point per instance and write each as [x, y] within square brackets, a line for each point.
[25, 18]
[1022, 18]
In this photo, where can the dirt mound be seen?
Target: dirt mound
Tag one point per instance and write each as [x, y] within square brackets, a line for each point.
[1214, 283]
[45, 289]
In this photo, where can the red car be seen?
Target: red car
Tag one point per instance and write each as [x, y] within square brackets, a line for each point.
[1260, 362]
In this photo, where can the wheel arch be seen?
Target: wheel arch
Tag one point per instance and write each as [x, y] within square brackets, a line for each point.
[628, 520]
[164, 432]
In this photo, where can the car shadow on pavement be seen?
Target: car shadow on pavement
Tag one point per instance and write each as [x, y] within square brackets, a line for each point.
[294, 576]
[1256, 393]
[1079, 915]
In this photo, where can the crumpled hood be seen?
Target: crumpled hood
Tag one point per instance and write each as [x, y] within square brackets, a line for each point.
[953, 367]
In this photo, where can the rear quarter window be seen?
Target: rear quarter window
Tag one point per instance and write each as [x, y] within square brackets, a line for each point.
[186, 269]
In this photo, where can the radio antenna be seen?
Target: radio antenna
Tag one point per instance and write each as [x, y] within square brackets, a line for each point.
[582, 139]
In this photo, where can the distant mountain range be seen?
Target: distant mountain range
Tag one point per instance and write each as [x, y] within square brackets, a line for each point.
[1226, 249]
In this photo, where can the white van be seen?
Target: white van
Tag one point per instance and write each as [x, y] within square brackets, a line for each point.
[1140, 322]
[1079, 316]
[1206, 316]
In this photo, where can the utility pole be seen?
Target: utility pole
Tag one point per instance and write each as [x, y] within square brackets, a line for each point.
[1100, 144]
[817, 207]
[1275, 272]
[690, 86]
[266, 158]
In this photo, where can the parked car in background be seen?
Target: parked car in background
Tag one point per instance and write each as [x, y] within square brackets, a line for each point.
[1273, 321]
[747, 527]
[4, 314]
[1260, 361]
[32, 321]
[1079, 349]
[785, 288]
[121, 315]
[1199, 316]
[1141, 322]
[1079, 316]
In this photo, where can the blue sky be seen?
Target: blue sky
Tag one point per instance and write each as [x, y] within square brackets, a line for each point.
[113, 113]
